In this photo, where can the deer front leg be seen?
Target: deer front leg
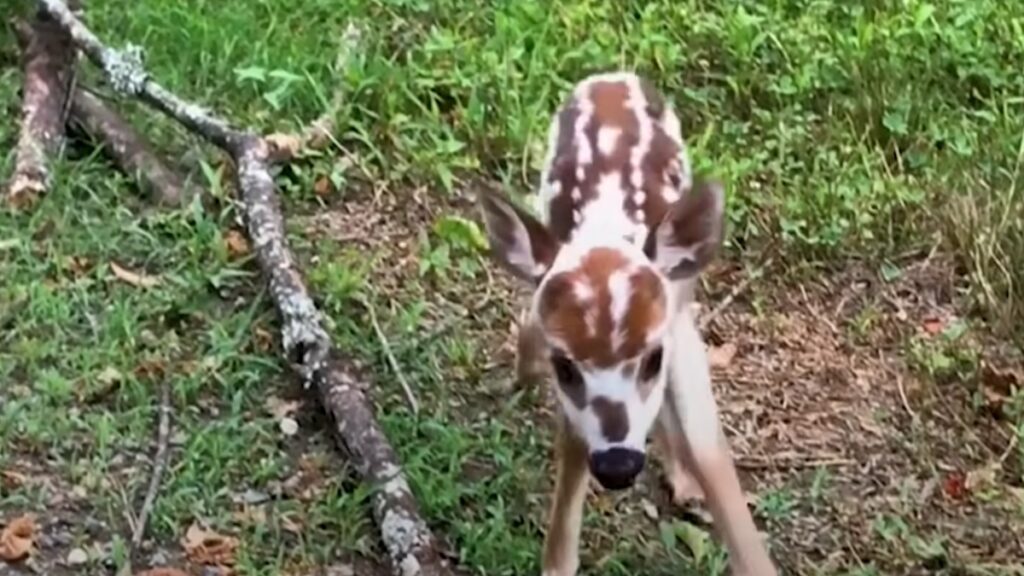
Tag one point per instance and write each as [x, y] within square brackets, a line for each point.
[692, 407]
[674, 459]
[562, 542]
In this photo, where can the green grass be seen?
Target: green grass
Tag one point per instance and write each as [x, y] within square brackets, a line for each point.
[845, 130]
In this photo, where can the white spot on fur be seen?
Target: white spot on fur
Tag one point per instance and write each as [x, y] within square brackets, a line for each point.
[620, 291]
[581, 174]
[670, 123]
[577, 195]
[639, 197]
[607, 139]
[640, 215]
[669, 193]
[638, 103]
[584, 292]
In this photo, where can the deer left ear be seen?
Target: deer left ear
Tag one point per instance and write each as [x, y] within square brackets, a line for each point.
[520, 242]
[687, 238]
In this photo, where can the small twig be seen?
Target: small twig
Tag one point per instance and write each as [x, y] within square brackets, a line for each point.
[903, 397]
[1014, 438]
[792, 463]
[738, 289]
[392, 361]
[159, 464]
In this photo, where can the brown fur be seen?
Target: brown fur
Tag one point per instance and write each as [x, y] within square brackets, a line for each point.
[659, 168]
[591, 342]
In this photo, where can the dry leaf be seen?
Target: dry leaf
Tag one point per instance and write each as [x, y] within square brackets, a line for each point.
[162, 572]
[955, 485]
[263, 339]
[208, 547]
[291, 524]
[133, 278]
[236, 243]
[79, 265]
[289, 427]
[251, 516]
[982, 478]
[12, 480]
[721, 356]
[283, 146]
[17, 538]
[322, 186]
[933, 325]
[281, 408]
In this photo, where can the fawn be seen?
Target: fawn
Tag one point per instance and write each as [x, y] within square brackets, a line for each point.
[624, 231]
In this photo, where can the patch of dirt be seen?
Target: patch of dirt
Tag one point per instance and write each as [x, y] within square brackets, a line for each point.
[814, 391]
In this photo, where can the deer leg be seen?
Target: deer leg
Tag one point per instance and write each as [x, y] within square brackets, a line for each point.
[691, 406]
[562, 542]
[681, 481]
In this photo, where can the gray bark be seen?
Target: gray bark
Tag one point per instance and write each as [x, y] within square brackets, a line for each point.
[340, 387]
[48, 57]
[129, 150]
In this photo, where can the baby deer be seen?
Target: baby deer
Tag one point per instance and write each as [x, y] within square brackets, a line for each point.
[624, 230]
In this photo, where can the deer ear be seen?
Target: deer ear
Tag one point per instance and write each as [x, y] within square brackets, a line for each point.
[688, 237]
[519, 241]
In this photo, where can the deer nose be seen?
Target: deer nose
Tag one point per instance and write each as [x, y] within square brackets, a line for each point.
[616, 468]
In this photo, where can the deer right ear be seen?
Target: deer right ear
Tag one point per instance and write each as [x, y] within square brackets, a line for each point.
[519, 241]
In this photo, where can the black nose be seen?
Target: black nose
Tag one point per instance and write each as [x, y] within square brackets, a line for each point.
[617, 468]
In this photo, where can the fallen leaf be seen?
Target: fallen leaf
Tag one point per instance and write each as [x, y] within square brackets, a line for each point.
[955, 485]
[933, 325]
[251, 516]
[133, 278]
[17, 538]
[207, 547]
[77, 557]
[12, 480]
[263, 339]
[1000, 380]
[109, 375]
[982, 478]
[289, 427]
[696, 540]
[291, 524]
[283, 146]
[151, 368]
[323, 186]
[650, 510]
[281, 408]
[79, 265]
[236, 243]
[721, 356]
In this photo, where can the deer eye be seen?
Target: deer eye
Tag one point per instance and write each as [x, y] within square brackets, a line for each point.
[651, 367]
[566, 371]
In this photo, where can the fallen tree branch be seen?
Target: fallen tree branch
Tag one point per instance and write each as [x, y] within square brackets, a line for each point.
[129, 150]
[48, 56]
[163, 436]
[409, 542]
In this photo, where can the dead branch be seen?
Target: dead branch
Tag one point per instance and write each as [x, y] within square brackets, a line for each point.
[129, 149]
[48, 57]
[163, 435]
[409, 542]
